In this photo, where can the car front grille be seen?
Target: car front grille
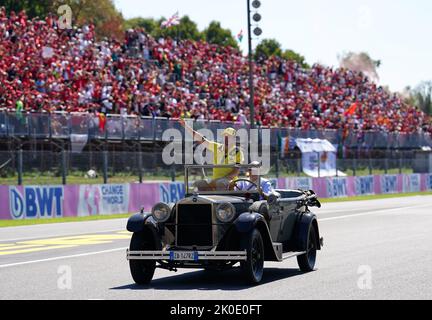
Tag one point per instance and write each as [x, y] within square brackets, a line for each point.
[194, 225]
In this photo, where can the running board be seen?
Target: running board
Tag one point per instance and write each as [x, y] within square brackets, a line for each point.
[288, 255]
[281, 256]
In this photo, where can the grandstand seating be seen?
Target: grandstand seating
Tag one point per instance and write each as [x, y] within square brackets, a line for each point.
[43, 68]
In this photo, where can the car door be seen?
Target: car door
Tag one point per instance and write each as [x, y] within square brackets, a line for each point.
[275, 223]
[287, 215]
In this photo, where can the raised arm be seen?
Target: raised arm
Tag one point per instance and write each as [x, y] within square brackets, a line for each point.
[196, 135]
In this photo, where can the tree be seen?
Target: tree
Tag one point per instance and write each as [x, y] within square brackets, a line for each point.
[103, 14]
[271, 47]
[360, 62]
[292, 55]
[268, 48]
[215, 34]
[33, 8]
[150, 25]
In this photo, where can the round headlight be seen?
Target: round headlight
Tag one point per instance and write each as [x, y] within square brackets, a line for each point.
[225, 212]
[161, 212]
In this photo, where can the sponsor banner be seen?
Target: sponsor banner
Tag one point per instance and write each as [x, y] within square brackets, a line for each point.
[377, 185]
[46, 202]
[389, 184]
[364, 186]
[71, 200]
[34, 202]
[412, 183]
[337, 187]
[318, 158]
[103, 199]
[4, 203]
[171, 192]
[319, 164]
[319, 185]
[277, 183]
[428, 181]
[143, 196]
[299, 183]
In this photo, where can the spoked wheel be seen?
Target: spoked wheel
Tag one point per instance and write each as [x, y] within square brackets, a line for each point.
[253, 267]
[142, 271]
[306, 262]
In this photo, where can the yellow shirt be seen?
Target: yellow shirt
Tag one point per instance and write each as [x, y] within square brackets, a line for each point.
[234, 156]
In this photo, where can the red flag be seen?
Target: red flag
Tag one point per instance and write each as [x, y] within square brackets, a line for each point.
[102, 122]
[352, 110]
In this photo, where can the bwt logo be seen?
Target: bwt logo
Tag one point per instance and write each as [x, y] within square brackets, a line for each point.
[364, 185]
[172, 193]
[389, 184]
[36, 202]
[336, 188]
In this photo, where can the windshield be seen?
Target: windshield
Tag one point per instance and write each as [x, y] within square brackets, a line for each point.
[223, 179]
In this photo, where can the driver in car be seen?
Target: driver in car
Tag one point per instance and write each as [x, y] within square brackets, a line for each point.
[254, 177]
[223, 154]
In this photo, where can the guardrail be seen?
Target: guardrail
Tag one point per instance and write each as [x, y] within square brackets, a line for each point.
[61, 125]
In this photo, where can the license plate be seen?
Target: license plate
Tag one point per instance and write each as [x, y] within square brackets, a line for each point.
[183, 256]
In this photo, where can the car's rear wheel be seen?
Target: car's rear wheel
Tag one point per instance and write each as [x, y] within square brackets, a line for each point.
[306, 261]
[142, 271]
[253, 267]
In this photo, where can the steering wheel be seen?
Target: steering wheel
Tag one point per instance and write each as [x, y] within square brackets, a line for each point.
[234, 185]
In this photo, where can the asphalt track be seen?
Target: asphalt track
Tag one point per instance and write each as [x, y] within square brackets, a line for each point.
[379, 249]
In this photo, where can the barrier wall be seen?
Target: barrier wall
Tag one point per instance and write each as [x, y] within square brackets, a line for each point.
[45, 202]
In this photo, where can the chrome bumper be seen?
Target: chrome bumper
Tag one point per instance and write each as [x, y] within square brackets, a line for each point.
[201, 256]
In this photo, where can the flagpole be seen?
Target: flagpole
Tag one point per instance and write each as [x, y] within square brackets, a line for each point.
[251, 84]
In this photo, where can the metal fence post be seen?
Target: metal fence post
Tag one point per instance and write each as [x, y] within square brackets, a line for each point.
[140, 171]
[105, 166]
[173, 174]
[7, 124]
[50, 125]
[20, 167]
[355, 167]
[370, 164]
[337, 172]
[386, 165]
[298, 167]
[64, 169]
[29, 119]
[278, 153]
[400, 163]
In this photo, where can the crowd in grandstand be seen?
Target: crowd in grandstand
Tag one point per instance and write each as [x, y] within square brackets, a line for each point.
[45, 68]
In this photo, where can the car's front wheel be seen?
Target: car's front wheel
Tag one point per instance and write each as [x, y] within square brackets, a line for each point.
[253, 267]
[306, 261]
[142, 271]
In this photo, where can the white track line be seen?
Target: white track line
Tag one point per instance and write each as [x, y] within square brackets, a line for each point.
[369, 213]
[62, 257]
[61, 235]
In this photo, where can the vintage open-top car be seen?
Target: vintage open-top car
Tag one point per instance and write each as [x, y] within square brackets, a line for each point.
[219, 228]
